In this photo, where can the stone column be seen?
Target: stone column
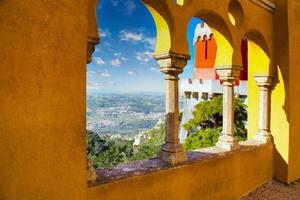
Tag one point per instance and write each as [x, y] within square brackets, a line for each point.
[228, 75]
[172, 65]
[264, 82]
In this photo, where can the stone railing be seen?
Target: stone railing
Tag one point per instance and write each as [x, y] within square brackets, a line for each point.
[209, 173]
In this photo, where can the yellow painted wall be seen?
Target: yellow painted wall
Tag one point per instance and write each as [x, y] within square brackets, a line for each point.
[294, 89]
[280, 128]
[42, 99]
[285, 115]
[224, 177]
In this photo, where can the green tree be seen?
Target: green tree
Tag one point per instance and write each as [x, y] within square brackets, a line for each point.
[206, 124]
[150, 146]
[106, 152]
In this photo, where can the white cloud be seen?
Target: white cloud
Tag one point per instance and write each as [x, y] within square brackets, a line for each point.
[111, 83]
[124, 58]
[144, 56]
[99, 61]
[115, 62]
[130, 7]
[138, 36]
[130, 36]
[150, 42]
[104, 73]
[107, 44]
[93, 86]
[131, 73]
[114, 2]
[104, 33]
[154, 69]
[119, 55]
[91, 73]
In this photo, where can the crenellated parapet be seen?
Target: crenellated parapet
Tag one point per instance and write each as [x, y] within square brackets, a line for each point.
[210, 87]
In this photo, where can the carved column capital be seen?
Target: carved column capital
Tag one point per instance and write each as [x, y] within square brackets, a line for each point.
[171, 63]
[229, 73]
[263, 81]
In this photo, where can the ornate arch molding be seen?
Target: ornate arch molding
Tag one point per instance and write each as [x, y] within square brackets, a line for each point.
[215, 21]
[164, 22]
[266, 4]
[92, 33]
[258, 38]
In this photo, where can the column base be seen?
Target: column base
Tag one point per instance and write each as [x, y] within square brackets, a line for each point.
[228, 142]
[172, 158]
[263, 136]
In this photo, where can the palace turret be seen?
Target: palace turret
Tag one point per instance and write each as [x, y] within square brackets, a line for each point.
[205, 83]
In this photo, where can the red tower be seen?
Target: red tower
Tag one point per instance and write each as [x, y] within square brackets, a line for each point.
[205, 53]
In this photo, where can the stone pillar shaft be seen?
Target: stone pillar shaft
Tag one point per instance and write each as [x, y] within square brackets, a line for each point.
[172, 114]
[228, 114]
[172, 65]
[264, 83]
[228, 75]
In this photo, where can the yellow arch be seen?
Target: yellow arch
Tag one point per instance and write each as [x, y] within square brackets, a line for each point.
[224, 49]
[163, 41]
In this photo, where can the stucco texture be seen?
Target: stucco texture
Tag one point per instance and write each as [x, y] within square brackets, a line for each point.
[42, 99]
[43, 56]
[231, 175]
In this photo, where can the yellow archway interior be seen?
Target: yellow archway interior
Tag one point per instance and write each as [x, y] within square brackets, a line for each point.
[258, 63]
[180, 2]
[163, 41]
[224, 49]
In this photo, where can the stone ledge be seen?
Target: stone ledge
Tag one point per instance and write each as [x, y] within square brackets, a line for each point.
[139, 168]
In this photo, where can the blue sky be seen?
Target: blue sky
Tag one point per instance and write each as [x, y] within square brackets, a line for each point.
[122, 62]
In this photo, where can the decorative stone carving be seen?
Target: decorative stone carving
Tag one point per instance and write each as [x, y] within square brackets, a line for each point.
[91, 174]
[172, 65]
[92, 35]
[228, 74]
[264, 82]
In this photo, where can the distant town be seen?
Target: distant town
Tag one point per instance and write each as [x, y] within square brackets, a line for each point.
[124, 115]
